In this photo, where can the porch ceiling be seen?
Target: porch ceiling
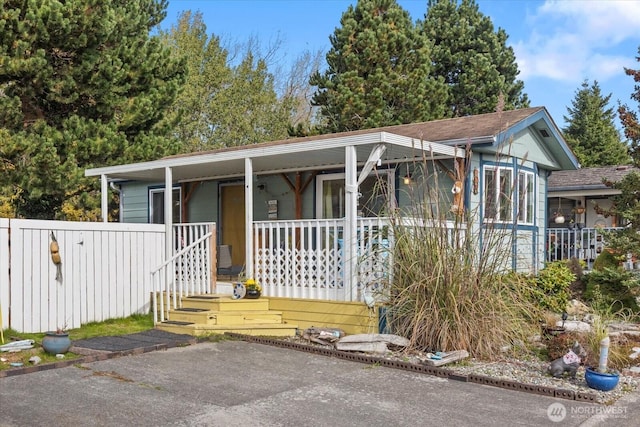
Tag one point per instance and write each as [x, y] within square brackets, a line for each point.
[280, 156]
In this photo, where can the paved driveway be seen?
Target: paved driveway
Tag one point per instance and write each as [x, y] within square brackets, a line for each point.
[235, 383]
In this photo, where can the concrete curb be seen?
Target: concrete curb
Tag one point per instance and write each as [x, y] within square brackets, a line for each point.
[430, 370]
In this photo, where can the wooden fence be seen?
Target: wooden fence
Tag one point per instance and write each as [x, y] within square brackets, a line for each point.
[105, 272]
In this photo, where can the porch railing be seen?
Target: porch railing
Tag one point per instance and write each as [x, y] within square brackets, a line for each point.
[188, 272]
[582, 243]
[305, 258]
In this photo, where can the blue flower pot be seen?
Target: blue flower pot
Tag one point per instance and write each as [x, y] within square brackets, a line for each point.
[600, 381]
[56, 343]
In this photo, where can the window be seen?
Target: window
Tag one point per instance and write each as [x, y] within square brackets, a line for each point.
[156, 205]
[499, 190]
[526, 197]
[373, 200]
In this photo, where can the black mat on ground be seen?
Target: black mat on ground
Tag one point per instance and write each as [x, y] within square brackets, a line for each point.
[138, 340]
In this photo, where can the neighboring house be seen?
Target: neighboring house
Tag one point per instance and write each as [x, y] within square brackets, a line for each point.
[575, 200]
[299, 213]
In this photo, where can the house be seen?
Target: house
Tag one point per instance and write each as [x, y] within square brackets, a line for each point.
[298, 213]
[575, 200]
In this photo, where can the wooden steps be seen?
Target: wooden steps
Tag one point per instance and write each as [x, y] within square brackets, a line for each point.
[217, 314]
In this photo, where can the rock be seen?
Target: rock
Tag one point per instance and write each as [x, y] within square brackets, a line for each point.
[392, 339]
[576, 308]
[371, 343]
[448, 357]
[575, 326]
[623, 326]
[366, 347]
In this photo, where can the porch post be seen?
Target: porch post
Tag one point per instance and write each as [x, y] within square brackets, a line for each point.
[104, 197]
[350, 224]
[168, 212]
[248, 215]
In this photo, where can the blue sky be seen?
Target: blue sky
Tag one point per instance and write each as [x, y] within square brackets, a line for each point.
[558, 44]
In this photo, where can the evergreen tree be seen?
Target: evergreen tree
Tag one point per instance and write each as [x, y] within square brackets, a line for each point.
[220, 104]
[591, 132]
[629, 117]
[378, 72]
[82, 84]
[473, 59]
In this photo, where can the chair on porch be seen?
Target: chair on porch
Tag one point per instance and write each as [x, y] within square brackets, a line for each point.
[225, 263]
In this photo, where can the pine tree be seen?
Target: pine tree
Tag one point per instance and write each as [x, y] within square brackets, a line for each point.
[629, 117]
[473, 59]
[378, 71]
[82, 84]
[591, 132]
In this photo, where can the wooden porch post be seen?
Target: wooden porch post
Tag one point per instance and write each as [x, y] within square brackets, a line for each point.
[168, 212]
[248, 214]
[350, 224]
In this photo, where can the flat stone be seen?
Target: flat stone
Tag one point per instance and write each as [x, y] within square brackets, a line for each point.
[575, 326]
[392, 339]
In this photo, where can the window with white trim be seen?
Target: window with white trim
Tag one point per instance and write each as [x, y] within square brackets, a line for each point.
[526, 197]
[500, 194]
[376, 194]
[156, 205]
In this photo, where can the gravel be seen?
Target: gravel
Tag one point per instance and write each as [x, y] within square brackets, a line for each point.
[527, 371]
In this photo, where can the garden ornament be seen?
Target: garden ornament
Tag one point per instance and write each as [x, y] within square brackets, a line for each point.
[569, 362]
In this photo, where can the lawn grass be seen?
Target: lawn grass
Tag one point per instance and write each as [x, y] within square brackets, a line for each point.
[111, 327]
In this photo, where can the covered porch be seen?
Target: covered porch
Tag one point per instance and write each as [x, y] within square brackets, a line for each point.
[337, 259]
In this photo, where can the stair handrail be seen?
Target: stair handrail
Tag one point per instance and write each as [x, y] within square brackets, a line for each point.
[156, 281]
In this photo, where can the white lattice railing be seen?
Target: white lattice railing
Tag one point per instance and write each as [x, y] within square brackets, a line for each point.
[305, 258]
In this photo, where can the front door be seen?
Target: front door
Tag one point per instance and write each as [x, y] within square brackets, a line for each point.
[232, 226]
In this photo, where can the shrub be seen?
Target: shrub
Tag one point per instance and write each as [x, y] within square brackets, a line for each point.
[613, 287]
[606, 259]
[552, 286]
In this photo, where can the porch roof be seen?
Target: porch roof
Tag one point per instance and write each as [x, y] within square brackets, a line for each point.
[585, 179]
[310, 153]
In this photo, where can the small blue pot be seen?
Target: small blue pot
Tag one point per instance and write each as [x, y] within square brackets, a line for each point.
[600, 381]
[56, 343]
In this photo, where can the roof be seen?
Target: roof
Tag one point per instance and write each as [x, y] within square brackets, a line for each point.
[403, 142]
[587, 178]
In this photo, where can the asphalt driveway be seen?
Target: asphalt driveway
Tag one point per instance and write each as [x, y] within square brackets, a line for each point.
[236, 383]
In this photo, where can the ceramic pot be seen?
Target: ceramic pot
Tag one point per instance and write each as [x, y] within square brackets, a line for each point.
[600, 381]
[56, 343]
[252, 294]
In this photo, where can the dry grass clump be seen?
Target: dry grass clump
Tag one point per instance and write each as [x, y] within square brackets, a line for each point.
[450, 287]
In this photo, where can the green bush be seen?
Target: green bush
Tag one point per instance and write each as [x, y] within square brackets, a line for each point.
[613, 286]
[552, 286]
[606, 259]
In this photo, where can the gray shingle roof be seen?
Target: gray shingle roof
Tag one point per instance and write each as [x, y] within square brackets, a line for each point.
[587, 178]
[439, 131]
